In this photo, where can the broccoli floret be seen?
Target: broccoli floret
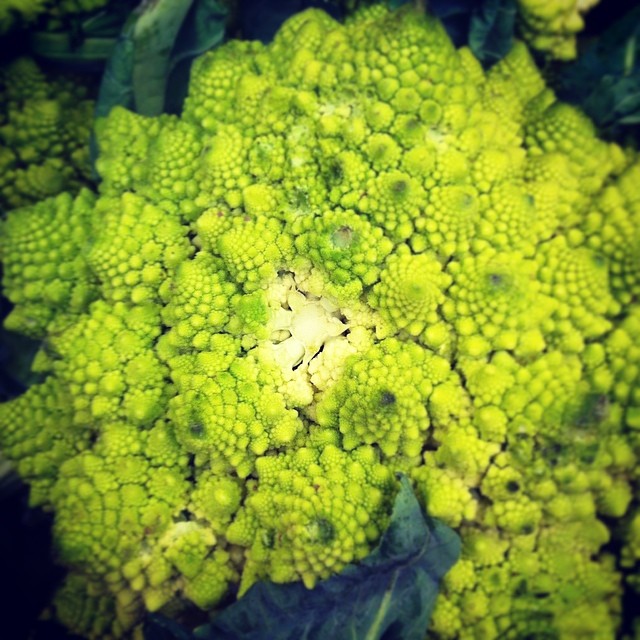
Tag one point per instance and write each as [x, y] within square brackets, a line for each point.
[354, 254]
[46, 269]
[45, 122]
[551, 26]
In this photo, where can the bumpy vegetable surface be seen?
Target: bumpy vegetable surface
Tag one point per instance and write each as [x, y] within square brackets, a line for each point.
[551, 26]
[45, 122]
[355, 253]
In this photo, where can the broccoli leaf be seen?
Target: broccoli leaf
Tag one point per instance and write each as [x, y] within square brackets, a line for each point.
[16, 356]
[116, 87]
[391, 593]
[204, 28]
[154, 35]
[605, 79]
[491, 30]
[159, 38]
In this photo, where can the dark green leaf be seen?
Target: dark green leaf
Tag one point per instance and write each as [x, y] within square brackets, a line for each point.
[158, 627]
[16, 356]
[117, 87]
[203, 29]
[491, 30]
[390, 594]
[605, 79]
[455, 16]
[149, 68]
[154, 36]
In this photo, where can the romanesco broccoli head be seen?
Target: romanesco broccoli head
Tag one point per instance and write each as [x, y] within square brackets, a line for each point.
[355, 253]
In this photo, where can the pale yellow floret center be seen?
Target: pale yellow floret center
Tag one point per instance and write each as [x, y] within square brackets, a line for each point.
[303, 325]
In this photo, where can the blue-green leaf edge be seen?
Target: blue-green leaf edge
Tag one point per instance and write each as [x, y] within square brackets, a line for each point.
[390, 594]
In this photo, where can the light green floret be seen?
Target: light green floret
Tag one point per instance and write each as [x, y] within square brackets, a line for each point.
[516, 584]
[254, 250]
[495, 166]
[345, 246]
[558, 127]
[124, 139]
[267, 158]
[462, 451]
[312, 512]
[383, 151]
[86, 609]
[138, 247]
[345, 173]
[215, 499]
[355, 253]
[307, 31]
[185, 559]
[33, 183]
[120, 515]
[35, 128]
[578, 280]
[552, 27]
[172, 163]
[445, 494]
[223, 168]
[45, 271]
[106, 361]
[410, 291]
[581, 584]
[511, 220]
[544, 397]
[556, 390]
[555, 190]
[450, 221]
[198, 303]
[38, 436]
[613, 230]
[494, 303]
[519, 63]
[394, 201]
[621, 375]
[381, 398]
[217, 389]
[105, 499]
[213, 77]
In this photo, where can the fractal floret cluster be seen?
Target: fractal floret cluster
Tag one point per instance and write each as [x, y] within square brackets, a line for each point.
[45, 123]
[551, 26]
[355, 254]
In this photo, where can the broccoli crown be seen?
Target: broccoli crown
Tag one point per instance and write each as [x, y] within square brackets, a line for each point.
[45, 122]
[354, 254]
